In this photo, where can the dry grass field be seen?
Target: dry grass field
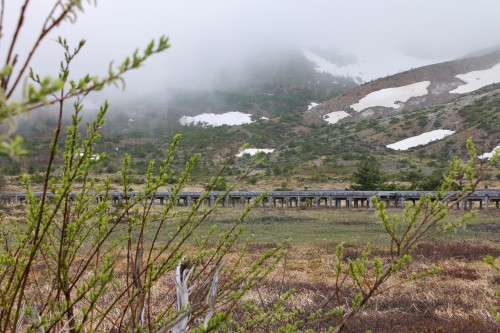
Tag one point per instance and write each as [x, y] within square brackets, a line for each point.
[458, 299]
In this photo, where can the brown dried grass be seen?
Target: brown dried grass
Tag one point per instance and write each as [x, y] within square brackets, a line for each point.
[457, 300]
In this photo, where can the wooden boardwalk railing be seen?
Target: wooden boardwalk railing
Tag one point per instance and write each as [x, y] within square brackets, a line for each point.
[483, 199]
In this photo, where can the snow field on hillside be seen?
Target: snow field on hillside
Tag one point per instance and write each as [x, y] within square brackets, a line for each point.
[312, 105]
[487, 156]
[212, 119]
[477, 79]
[389, 96]
[421, 139]
[253, 151]
[335, 116]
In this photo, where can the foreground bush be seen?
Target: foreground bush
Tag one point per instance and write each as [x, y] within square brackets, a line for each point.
[78, 263]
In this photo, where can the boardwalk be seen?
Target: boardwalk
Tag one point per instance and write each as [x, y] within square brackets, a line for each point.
[484, 199]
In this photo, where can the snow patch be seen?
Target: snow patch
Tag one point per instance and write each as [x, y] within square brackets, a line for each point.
[93, 157]
[264, 118]
[389, 96]
[312, 105]
[212, 119]
[421, 139]
[253, 151]
[335, 116]
[488, 156]
[477, 79]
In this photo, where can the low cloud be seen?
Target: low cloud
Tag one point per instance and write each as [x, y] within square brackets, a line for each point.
[221, 36]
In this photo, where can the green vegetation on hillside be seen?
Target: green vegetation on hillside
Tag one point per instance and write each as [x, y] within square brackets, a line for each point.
[308, 153]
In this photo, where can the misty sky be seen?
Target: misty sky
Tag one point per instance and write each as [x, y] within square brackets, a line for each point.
[210, 36]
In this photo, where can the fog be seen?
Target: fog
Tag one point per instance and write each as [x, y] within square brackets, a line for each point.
[210, 38]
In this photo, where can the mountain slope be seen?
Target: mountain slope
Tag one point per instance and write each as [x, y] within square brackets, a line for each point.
[307, 151]
[400, 93]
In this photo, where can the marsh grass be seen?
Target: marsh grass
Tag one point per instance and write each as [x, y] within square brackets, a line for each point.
[456, 300]
[330, 226]
[355, 227]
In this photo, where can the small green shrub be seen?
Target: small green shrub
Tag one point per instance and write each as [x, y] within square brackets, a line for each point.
[12, 170]
[37, 178]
